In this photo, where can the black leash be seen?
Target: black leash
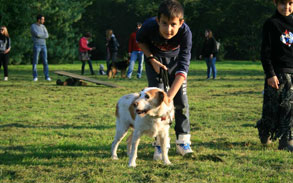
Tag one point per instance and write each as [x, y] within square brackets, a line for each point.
[165, 79]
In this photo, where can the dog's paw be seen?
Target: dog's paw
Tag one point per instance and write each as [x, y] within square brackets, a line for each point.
[115, 158]
[167, 163]
[132, 165]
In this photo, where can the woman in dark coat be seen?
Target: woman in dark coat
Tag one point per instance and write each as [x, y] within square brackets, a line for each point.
[209, 52]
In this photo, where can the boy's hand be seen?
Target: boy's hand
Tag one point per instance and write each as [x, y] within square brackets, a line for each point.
[157, 65]
[273, 82]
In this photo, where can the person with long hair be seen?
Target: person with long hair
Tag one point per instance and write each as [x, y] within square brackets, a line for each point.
[209, 52]
[5, 46]
[112, 48]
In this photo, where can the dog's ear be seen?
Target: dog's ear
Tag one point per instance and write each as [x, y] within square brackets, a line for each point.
[162, 97]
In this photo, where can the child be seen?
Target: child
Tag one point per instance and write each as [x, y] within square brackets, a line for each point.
[166, 42]
[277, 61]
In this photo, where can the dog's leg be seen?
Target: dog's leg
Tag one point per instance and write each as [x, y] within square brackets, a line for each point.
[123, 73]
[134, 146]
[120, 134]
[165, 141]
[129, 140]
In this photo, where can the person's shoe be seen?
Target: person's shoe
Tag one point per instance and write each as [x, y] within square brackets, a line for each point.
[158, 153]
[183, 144]
[6, 78]
[263, 133]
[183, 149]
[35, 79]
[48, 79]
[286, 143]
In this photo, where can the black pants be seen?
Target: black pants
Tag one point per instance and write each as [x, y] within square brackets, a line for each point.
[277, 114]
[4, 58]
[182, 124]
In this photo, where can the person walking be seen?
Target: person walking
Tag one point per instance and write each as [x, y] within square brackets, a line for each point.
[39, 35]
[5, 46]
[135, 53]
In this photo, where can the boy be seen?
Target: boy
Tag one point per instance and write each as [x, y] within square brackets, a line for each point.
[277, 61]
[166, 42]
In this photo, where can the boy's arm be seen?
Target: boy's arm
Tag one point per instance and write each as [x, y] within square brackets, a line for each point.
[179, 79]
[155, 63]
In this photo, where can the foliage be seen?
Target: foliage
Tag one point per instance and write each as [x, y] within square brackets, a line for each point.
[60, 15]
[236, 24]
[53, 133]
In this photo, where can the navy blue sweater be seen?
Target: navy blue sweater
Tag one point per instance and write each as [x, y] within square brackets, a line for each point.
[179, 46]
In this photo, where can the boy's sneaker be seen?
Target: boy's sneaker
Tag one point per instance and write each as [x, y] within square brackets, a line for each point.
[5, 78]
[48, 79]
[158, 153]
[183, 149]
[35, 79]
[183, 144]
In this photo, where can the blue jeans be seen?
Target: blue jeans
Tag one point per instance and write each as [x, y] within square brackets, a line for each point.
[43, 50]
[134, 56]
[211, 67]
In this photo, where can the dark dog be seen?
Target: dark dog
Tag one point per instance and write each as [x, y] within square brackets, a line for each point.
[115, 66]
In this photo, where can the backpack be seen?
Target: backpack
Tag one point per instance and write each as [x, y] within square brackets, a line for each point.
[218, 44]
[3, 44]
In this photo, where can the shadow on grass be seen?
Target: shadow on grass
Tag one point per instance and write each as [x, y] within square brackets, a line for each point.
[36, 155]
[97, 127]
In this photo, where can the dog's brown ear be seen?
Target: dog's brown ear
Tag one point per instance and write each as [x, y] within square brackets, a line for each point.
[162, 97]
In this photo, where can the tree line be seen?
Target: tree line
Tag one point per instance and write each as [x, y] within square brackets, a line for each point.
[236, 25]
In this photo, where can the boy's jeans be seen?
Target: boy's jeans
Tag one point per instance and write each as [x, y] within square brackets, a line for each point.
[43, 50]
[211, 66]
[134, 56]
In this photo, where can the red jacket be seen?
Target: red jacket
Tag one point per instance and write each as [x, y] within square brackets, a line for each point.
[83, 45]
[132, 44]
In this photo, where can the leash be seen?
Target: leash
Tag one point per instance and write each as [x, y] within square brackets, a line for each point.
[165, 79]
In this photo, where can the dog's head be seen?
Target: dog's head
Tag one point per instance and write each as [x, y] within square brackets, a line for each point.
[153, 102]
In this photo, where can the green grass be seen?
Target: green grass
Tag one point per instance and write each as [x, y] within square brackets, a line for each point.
[51, 133]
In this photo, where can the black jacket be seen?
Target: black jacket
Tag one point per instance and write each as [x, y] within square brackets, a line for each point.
[209, 47]
[277, 45]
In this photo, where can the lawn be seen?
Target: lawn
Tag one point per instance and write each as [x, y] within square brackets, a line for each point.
[51, 133]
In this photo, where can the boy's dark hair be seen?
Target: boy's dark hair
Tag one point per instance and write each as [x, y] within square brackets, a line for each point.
[87, 34]
[39, 17]
[171, 9]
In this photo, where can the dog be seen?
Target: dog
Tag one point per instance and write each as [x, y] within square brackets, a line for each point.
[121, 65]
[148, 112]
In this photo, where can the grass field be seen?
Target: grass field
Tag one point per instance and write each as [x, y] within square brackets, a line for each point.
[51, 133]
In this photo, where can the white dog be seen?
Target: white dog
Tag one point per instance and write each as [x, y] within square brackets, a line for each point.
[149, 112]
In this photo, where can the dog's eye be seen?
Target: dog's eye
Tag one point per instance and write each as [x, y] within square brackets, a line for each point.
[147, 96]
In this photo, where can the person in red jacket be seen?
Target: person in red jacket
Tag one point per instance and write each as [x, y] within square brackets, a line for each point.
[135, 53]
[84, 52]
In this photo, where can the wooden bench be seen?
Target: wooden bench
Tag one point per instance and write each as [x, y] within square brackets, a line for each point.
[76, 76]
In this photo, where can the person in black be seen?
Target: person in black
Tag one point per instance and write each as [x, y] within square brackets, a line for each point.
[112, 48]
[5, 46]
[209, 52]
[277, 61]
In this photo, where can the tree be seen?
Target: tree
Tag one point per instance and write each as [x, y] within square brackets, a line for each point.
[60, 15]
